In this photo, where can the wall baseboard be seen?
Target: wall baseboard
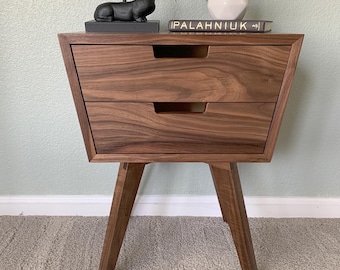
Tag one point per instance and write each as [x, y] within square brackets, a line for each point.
[158, 205]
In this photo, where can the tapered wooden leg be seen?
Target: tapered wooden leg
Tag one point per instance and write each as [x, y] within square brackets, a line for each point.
[129, 176]
[229, 192]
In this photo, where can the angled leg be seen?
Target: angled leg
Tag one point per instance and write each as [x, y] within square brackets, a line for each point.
[229, 192]
[129, 176]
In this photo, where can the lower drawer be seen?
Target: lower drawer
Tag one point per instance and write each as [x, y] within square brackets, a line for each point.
[132, 128]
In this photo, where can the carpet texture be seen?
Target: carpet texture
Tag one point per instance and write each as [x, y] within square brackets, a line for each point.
[167, 243]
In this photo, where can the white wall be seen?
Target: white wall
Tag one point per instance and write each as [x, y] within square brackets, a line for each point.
[41, 147]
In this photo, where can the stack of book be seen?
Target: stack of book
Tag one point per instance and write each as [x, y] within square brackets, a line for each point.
[259, 26]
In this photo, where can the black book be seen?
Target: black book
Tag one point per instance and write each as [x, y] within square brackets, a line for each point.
[122, 26]
[259, 26]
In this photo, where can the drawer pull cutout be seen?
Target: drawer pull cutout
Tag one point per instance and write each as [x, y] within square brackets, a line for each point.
[180, 51]
[180, 107]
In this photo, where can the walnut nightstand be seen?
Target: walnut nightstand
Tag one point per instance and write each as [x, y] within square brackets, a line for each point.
[213, 98]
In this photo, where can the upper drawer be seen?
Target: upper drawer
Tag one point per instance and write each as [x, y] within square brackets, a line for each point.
[182, 74]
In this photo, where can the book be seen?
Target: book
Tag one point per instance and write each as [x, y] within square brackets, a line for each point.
[259, 26]
[122, 26]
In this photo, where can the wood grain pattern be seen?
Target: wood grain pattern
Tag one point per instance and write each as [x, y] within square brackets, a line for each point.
[129, 176]
[120, 127]
[229, 193]
[187, 157]
[283, 97]
[77, 95]
[227, 74]
[245, 46]
[182, 38]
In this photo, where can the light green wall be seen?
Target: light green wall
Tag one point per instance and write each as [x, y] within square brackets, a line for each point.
[41, 147]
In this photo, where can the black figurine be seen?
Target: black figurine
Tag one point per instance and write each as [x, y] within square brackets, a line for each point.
[136, 10]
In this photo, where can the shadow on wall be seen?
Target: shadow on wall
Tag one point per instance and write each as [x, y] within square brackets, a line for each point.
[297, 101]
[176, 178]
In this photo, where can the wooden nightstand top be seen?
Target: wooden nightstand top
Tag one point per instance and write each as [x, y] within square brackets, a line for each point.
[181, 38]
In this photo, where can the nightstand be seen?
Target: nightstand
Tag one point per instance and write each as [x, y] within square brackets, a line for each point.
[213, 98]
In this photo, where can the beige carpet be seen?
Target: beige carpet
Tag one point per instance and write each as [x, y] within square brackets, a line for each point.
[167, 243]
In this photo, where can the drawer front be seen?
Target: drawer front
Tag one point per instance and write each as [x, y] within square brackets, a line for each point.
[226, 74]
[133, 128]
